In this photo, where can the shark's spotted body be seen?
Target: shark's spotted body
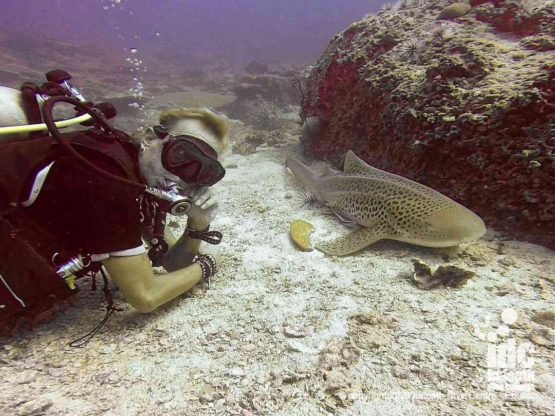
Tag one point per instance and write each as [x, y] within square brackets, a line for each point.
[386, 206]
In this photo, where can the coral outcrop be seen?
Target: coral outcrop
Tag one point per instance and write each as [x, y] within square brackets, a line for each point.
[465, 105]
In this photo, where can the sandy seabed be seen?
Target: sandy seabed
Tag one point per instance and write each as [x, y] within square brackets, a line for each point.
[284, 332]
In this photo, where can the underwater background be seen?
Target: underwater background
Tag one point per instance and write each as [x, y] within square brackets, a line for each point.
[237, 31]
[459, 96]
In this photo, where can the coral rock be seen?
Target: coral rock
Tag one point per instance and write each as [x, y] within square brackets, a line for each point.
[469, 115]
[454, 10]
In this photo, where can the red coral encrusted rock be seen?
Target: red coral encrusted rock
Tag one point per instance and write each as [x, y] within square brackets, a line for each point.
[456, 105]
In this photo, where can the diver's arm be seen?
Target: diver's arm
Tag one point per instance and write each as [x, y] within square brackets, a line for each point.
[182, 252]
[144, 291]
[170, 237]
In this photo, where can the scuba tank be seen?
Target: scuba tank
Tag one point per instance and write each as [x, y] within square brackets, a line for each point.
[20, 110]
[11, 108]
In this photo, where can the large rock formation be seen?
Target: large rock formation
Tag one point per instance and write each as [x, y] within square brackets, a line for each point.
[460, 100]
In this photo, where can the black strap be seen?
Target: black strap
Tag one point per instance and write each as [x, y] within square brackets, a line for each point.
[110, 309]
[30, 104]
[211, 237]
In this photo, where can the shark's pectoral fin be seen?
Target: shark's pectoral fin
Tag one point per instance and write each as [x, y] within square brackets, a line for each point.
[352, 242]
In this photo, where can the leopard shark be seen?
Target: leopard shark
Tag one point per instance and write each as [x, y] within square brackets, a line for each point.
[385, 206]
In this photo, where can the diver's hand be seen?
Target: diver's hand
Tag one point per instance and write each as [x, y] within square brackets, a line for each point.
[203, 210]
[204, 198]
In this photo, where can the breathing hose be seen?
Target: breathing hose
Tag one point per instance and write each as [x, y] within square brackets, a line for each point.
[28, 128]
[48, 118]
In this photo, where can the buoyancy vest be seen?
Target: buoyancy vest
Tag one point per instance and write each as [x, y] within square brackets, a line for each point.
[30, 289]
[23, 158]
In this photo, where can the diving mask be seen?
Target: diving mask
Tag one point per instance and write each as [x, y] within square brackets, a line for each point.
[194, 161]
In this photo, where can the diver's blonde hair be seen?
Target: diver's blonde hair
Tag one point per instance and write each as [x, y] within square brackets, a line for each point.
[219, 124]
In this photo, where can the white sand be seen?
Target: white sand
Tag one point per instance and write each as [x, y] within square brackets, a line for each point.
[276, 334]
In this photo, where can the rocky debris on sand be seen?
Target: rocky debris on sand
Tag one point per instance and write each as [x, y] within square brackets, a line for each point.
[450, 276]
[191, 98]
[261, 99]
[371, 330]
[335, 365]
[465, 106]
[272, 87]
[295, 331]
[38, 406]
[255, 67]
[543, 337]
[545, 318]
[248, 143]
[258, 113]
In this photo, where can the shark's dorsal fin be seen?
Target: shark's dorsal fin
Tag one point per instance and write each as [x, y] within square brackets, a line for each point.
[355, 166]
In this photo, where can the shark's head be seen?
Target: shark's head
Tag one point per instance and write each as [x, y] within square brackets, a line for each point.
[456, 224]
[306, 177]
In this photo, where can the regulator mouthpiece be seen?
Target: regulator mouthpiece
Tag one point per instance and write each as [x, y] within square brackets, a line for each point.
[180, 207]
[172, 200]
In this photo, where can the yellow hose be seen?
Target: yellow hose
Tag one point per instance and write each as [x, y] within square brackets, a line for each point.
[38, 127]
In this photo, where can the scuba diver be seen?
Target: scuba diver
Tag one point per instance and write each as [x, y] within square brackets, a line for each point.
[86, 201]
